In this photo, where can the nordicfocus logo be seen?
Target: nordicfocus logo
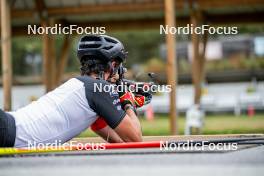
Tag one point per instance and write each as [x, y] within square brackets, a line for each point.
[190, 29]
[60, 29]
[197, 146]
[71, 145]
[138, 87]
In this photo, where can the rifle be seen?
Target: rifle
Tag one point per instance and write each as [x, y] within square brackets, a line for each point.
[146, 89]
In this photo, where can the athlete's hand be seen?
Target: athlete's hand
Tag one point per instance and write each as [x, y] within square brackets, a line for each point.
[141, 100]
[127, 98]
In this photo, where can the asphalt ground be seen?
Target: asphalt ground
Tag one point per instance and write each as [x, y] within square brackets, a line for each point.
[248, 159]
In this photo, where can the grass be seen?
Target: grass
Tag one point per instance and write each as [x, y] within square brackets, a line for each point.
[214, 124]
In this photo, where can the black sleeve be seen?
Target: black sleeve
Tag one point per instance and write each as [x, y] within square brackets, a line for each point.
[105, 103]
[108, 106]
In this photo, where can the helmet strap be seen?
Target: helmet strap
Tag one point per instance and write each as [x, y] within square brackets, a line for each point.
[101, 75]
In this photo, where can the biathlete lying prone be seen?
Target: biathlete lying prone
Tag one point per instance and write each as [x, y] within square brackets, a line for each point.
[65, 112]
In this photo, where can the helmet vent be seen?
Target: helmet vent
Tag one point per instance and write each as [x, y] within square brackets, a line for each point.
[89, 46]
[90, 38]
[110, 40]
[108, 47]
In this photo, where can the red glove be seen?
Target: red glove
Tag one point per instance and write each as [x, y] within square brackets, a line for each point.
[98, 124]
[127, 98]
[141, 100]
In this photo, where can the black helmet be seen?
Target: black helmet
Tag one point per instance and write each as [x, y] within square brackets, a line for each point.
[102, 47]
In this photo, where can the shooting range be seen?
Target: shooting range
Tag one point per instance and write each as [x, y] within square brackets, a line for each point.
[217, 82]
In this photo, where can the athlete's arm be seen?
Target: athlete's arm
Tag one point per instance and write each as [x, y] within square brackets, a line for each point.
[109, 135]
[129, 128]
[125, 124]
[101, 128]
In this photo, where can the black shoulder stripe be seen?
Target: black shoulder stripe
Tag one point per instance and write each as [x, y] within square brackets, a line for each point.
[88, 82]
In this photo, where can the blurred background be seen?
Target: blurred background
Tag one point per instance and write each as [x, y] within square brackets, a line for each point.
[232, 89]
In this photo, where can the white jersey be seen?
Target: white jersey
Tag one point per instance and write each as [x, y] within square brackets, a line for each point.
[58, 116]
[65, 112]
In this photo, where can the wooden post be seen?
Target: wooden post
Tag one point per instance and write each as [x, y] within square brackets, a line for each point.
[195, 60]
[63, 59]
[49, 58]
[198, 59]
[171, 63]
[53, 60]
[46, 58]
[202, 57]
[6, 53]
